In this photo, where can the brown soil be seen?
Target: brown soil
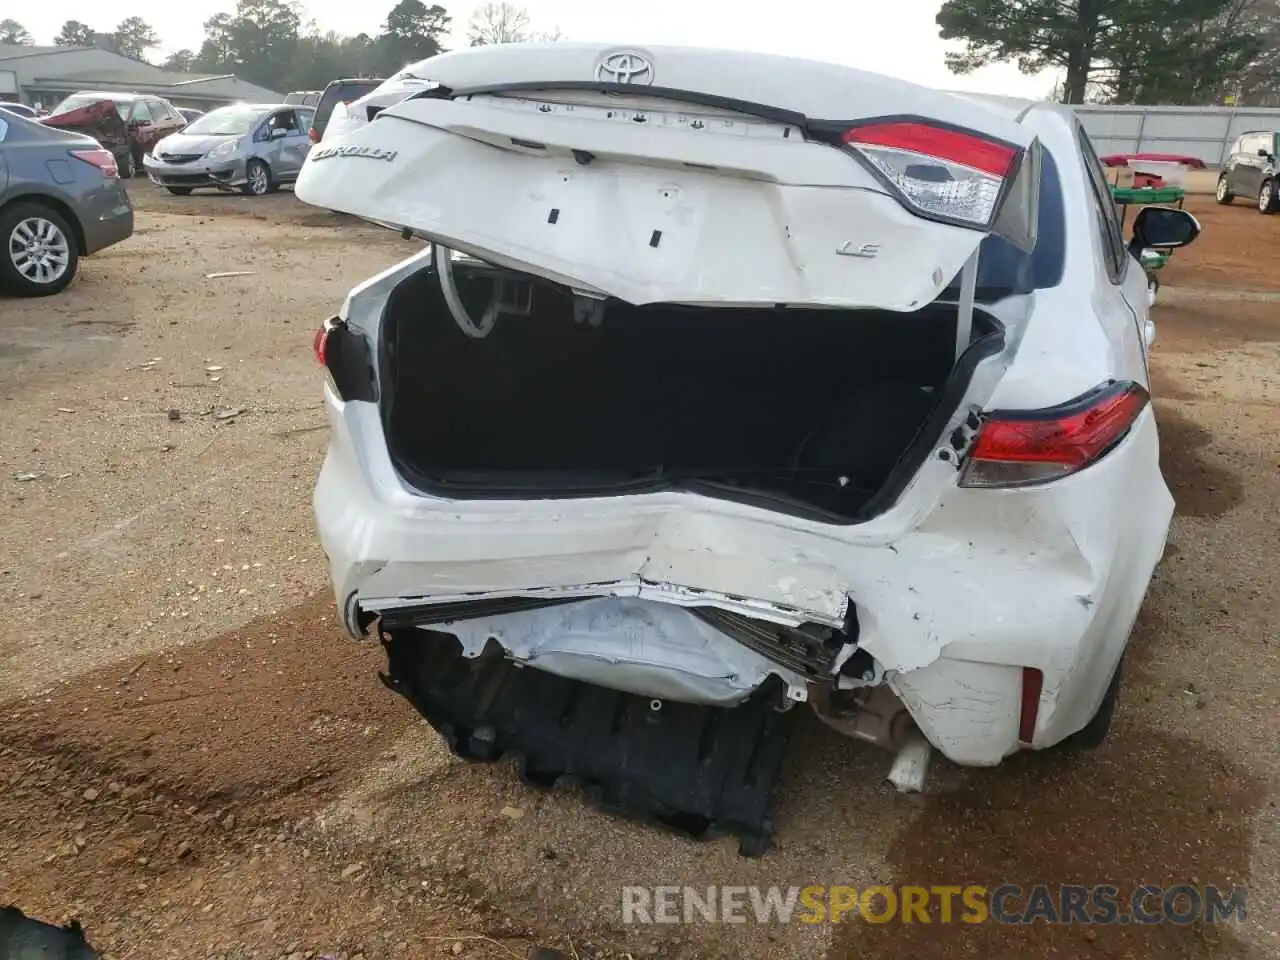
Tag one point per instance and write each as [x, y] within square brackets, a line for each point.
[196, 763]
[1235, 249]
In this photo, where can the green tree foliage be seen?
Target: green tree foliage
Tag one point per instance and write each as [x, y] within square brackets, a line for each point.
[133, 37]
[74, 34]
[320, 58]
[265, 42]
[413, 31]
[12, 32]
[259, 42]
[180, 61]
[1151, 51]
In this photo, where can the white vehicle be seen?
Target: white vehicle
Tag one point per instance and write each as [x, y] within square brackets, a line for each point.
[347, 117]
[730, 382]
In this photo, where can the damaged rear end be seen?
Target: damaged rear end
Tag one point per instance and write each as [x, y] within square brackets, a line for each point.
[99, 119]
[670, 427]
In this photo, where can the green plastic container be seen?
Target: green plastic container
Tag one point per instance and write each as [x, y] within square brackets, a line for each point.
[1148, 194]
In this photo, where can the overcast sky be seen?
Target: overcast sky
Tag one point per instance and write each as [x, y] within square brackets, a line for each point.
[896, 37]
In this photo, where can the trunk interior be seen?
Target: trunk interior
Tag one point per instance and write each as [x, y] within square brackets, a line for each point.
[808, 411]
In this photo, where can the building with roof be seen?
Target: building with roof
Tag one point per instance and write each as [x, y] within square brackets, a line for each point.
[42, 76]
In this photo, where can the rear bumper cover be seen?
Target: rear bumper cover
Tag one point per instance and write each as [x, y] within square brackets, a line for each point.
[954, 601]
[106, 218]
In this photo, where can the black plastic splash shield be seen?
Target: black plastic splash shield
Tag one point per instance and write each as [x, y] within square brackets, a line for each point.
[698, 770]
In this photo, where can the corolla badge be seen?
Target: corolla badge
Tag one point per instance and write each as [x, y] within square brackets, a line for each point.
[625, 66]
[352, 150]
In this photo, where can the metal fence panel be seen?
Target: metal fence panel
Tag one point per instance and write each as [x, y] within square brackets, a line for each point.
[1204, 132]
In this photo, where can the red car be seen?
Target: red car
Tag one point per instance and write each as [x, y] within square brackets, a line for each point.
[127, 124]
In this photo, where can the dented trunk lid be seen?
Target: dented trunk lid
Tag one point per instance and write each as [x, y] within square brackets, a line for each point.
[677, 190]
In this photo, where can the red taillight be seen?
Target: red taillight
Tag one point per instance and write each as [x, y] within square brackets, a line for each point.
[953, 146]
[102, 159]
[939, 171]
[1012, 449]
[321, 343]
[1032, 684]
[313, 135]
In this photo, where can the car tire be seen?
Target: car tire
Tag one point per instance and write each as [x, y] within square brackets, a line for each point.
[1094, 733]
[126, 166]
[257, 179]
[180, 191]
[21, 226]
[1223, 193]
[1268, 202]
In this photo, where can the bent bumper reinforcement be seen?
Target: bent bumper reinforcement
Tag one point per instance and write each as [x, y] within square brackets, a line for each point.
[700, 771]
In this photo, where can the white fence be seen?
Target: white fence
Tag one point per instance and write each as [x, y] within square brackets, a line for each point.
[1204, 132]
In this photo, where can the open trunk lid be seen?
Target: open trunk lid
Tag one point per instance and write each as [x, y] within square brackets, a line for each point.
[650, 176]
[100, 120]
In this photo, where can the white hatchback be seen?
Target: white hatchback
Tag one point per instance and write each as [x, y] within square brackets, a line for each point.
[728, 378]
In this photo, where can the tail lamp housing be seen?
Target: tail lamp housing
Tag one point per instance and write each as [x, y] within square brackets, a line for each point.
[104, 160]
[1020, 448]
[937, 170]
[347, 360]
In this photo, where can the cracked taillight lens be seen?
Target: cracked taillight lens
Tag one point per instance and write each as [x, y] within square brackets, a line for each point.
[937, 170]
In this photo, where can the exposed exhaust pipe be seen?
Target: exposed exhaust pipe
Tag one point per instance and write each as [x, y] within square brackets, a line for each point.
[910, 767]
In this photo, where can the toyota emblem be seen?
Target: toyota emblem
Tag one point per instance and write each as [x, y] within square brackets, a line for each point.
[625, 67]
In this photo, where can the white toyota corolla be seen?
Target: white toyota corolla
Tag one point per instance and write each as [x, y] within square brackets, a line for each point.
[729, 382]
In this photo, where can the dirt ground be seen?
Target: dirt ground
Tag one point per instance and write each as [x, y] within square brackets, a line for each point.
[196, 764]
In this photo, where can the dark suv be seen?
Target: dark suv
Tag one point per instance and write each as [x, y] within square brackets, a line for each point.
[339, 91]
[1250, 170]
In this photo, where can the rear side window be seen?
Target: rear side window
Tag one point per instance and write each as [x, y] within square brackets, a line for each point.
[1004, 270]
[1113, 248]
[340, 91]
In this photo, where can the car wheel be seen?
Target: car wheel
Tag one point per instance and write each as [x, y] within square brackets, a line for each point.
[1094, 733]
[1223, 194]
[1267, 197]
[39, 256]
[126, 165]
[179, 191]
[257, 179]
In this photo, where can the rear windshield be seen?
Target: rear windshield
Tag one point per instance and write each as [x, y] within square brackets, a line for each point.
[340, 91]
[1004, 270]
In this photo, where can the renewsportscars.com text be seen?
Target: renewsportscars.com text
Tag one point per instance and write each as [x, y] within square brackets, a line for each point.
[1006, 903]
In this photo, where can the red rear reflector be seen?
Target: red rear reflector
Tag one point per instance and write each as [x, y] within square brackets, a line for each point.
[321, 343]
[1019, 448]
[1032, 684]
[102, 159]
[953, 146]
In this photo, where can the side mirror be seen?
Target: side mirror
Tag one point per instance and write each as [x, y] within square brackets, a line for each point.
[1163, 228]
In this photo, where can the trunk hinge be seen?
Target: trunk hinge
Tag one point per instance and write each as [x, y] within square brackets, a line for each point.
[968, 291]
[511, 297]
